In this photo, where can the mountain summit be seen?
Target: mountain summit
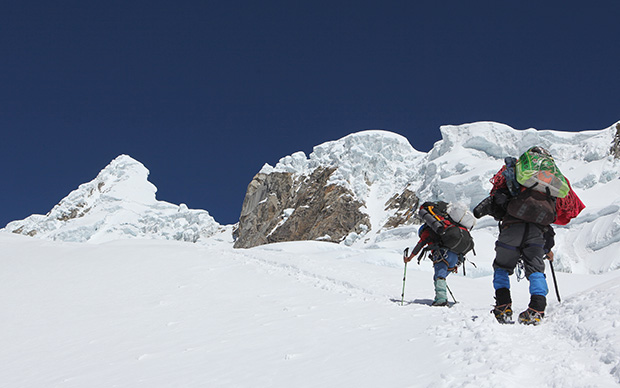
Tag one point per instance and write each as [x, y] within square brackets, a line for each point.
[119, 203]
[339, 193]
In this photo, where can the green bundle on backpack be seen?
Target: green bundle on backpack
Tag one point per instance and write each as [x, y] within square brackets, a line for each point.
[536, 169]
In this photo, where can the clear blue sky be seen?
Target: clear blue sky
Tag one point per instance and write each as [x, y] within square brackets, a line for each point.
[203, 93]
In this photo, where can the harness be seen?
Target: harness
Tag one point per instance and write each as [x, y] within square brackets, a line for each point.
[442, 256]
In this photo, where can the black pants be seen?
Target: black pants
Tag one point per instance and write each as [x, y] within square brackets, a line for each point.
[520, 240]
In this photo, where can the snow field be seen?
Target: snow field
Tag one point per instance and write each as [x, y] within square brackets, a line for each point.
[149, 313]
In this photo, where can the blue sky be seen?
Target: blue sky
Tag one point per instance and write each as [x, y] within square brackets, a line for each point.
[203, 93]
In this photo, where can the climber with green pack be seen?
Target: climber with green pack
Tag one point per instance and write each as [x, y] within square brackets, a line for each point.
[528, 195]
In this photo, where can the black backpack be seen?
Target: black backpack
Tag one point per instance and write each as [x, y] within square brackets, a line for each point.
[452, 235]
[524, 203]
[533, 206]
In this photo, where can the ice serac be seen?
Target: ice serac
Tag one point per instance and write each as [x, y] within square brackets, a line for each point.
[459, 166]
[615, 146]
[342, 191]
[119, 203]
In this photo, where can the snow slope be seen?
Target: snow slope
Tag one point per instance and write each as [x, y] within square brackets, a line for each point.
[149, 313]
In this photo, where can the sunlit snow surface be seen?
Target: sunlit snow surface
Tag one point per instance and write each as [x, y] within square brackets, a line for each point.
[159, 314]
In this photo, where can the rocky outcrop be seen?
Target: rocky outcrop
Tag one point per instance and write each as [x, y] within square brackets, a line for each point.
[615, 147]
[406, 205]
[281, 206]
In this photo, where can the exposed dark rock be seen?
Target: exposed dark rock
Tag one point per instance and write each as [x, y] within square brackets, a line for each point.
[20, 230]
[282, 207]
[75, 212]
[406, 205]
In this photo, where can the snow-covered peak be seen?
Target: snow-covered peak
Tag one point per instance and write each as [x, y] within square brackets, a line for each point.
[124, 179]
[127, 179]
[119, 203]
[362, 159]
[377, 165]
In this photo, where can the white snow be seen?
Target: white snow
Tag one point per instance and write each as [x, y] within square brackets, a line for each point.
[375, 165]
[148, 313]
[119, 203]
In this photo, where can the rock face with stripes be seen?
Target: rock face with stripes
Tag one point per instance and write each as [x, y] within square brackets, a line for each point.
[342, 191]
[283, 207]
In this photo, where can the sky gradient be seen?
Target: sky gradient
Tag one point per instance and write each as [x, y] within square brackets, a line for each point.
[203, 93]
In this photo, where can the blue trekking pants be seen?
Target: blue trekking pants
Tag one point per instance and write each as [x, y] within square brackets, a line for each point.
[520, 241]
[442, 260]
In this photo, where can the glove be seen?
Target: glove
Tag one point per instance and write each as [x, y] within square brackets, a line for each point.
[417, 248]
[549, 256]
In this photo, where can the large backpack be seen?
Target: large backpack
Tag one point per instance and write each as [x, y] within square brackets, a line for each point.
[534, 182]
[536, 169]
[533, 206]
[453, 235]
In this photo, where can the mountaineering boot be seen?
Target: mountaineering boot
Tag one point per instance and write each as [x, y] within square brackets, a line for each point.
[503, 313]
[535, 311]
[503, 306]
[531, 317]
[441, 293]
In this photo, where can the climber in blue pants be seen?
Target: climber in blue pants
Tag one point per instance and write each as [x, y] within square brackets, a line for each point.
[529, 243]
[444, 261]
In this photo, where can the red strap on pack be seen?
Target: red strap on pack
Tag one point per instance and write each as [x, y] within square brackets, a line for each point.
[498, 180]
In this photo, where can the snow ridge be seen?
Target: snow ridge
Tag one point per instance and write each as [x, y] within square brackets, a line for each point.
[119, 203]
[362, 159]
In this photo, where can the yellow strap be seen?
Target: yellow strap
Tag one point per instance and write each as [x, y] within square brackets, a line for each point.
[430, 210]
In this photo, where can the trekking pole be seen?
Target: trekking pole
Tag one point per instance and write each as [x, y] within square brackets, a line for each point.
[405, 254]
[555, 282]
[451, 294]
